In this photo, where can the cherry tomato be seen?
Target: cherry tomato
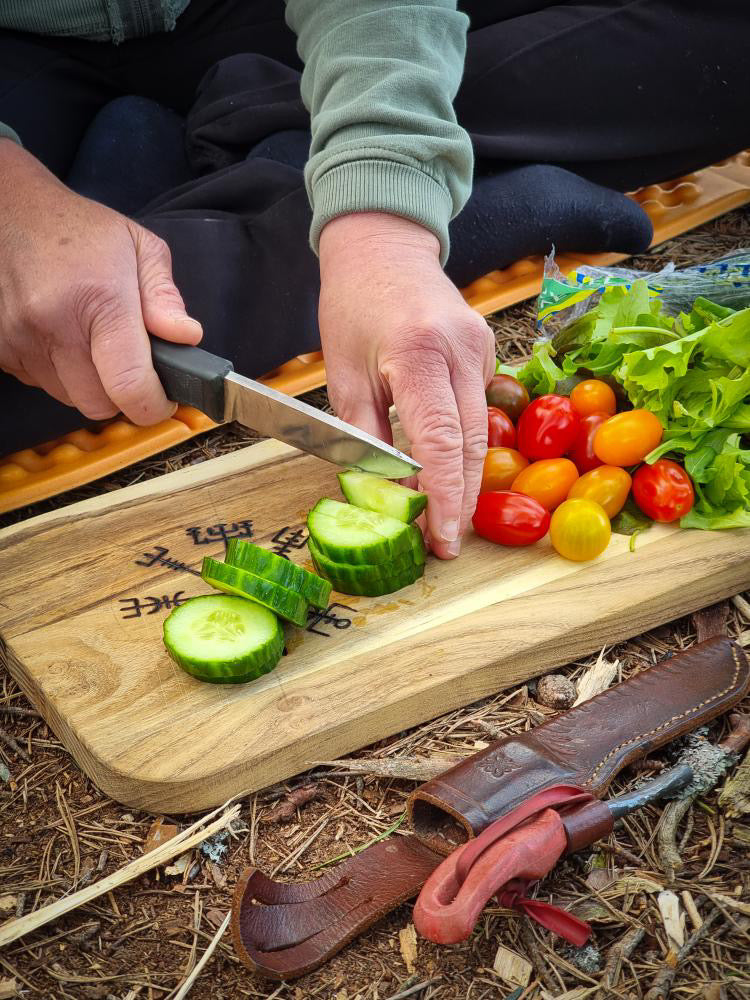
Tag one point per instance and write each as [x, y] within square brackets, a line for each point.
[508, 395]
[593, 396]
[548, 481]
[663, 491]
[500, 430]
[580, 530]
[627, 438]
[547, 428]
[510, 518]
[607, 485]
[501, 466]
[582, 451]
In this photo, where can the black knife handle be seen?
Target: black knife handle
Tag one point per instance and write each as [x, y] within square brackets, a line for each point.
[191, 376]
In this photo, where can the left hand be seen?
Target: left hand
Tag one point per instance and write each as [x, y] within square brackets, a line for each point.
[395, 329]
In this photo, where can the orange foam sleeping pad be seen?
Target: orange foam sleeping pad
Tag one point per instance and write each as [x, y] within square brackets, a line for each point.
[35, 474]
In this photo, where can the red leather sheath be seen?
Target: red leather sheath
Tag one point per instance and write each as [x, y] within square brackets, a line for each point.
[285, 930]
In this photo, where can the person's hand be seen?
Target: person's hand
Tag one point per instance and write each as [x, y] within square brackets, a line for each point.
[79, 287]
[395, 329]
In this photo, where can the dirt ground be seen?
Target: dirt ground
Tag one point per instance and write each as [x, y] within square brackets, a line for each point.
[59, 833]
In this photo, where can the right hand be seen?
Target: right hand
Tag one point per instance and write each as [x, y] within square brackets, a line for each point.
[80, 285]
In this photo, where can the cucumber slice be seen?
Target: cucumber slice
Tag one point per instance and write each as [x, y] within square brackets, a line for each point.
[362, 573]
[418, 547]
[349, 535]
[370, 492]
[374, 587]
[278, 599]
[223, 640]
[261, 562]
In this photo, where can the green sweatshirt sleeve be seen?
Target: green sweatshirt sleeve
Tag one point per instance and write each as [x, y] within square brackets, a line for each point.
[6, 132]
[379, 82]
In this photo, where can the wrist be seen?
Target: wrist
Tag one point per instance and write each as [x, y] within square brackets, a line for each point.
[375, 235]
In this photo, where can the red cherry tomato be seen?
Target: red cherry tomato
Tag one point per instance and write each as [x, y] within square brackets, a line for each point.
[510, 518]
[582, 452]
[500, 430]
[548, 481]
[627, 438]
[548, 428]
[663, 491]
[593, 396]
[501, 466]
[508, 395]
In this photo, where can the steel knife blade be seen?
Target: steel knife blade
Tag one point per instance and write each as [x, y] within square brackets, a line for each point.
[197, 378]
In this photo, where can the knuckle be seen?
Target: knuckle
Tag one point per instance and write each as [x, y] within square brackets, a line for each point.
[97, 303]
[128, 383]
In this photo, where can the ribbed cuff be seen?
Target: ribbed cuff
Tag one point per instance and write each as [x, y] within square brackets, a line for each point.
[6, 132]
[381, 186]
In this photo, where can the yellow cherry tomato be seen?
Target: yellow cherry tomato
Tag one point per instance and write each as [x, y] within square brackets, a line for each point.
[607, 485]
[628, 437]
[593, 396]
[547, 481]
[580, 530]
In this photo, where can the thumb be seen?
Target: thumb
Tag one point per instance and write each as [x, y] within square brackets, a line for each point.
[163, 310]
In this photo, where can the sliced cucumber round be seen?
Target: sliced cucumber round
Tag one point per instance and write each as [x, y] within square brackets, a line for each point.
[223, 640]
[278, 599]
[269, 566]
[418, 547]
[375, 587]
[370, 492]
[361, 573]
[347, 534]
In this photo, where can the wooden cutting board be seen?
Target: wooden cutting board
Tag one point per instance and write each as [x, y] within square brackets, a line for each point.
[84, 592]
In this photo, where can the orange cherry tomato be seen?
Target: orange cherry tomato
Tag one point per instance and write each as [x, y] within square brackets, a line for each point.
[580, 530]
[628, 437]
[501, 466]
[607, 485]
[582, 451]
[548, 481]
[593, 396]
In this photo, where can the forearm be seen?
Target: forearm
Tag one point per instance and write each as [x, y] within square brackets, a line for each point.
[379, 82]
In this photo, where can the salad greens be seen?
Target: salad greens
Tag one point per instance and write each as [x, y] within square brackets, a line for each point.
[691, 370]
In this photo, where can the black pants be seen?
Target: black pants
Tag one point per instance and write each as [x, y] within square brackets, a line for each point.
[620, 92]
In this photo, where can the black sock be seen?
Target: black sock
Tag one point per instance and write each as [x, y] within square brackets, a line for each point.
[524, 211]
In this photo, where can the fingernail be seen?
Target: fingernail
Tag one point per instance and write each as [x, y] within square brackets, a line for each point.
[453, 548]
[449, 531]
[182, 318]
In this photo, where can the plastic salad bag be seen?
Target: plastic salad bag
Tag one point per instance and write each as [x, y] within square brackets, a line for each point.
[676, 342]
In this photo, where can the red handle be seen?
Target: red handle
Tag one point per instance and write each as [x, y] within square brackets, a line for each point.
[448, 907]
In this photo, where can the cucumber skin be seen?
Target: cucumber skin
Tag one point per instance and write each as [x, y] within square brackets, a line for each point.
[203, 671]
[354, 486]
[238, 582]
[362, 573]
[319, 524]
[224, 672]
[253, 559]
[376, 588]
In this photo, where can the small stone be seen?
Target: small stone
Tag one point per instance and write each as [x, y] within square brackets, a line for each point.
[555, 691]
[588, 958]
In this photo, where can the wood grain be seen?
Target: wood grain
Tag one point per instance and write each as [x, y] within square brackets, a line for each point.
[153, 737]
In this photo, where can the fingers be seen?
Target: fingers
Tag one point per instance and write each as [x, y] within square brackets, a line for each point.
[421, 385]
[162, 307]
[121, 353]
[469, 382]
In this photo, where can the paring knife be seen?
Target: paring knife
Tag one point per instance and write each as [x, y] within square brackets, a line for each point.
[195, 377]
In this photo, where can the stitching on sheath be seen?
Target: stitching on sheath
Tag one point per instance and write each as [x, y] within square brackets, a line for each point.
[675, 718]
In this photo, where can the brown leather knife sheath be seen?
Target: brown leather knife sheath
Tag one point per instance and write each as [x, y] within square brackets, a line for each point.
[285, 930]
